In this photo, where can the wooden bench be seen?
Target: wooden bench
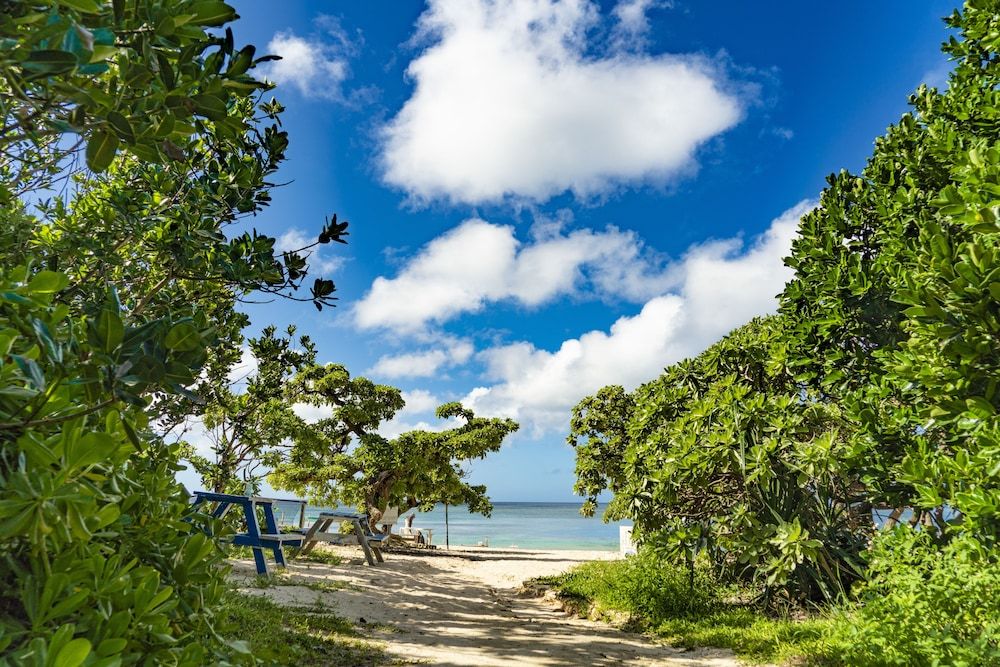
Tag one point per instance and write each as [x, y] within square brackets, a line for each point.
[370, 543]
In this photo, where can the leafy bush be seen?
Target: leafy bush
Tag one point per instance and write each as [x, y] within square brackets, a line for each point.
[876, 386]
[727, 456]
[94, 558]
[923, 605]
[112, 294]
[644, 586]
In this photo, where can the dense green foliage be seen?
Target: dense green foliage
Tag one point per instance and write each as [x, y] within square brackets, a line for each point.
[644, 593]
[875, 389]
[248, 419]
[893, 306]
[923, 605]
[117, 301]
[342, 458]
[727, 455]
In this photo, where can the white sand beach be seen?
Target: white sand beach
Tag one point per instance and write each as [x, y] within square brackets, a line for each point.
[461, 607]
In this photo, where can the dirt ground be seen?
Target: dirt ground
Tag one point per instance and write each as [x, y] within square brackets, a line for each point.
[462, 608]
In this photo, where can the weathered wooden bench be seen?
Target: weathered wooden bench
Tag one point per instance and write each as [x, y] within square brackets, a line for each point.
[370, 543]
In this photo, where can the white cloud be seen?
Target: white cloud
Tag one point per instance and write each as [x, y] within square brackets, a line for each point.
[416, 414]
[479, 262]
[243, 369]
[296, 239]
[629, 33]
[510, 100]
[317, 65]
[395, 427]
[425, 363]
[419, 400]
[721, 285]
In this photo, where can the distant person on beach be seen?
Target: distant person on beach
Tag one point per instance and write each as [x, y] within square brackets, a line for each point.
[408, 522]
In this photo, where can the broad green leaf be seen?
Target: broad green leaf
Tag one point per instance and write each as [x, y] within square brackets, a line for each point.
[210, 13]
[210, 106]
[47, 282]
[101, 150]
[182, 337]
[73, 654]
[50, 62]
[85, 6]
[122, 126]
[31, 370]
[110, 330]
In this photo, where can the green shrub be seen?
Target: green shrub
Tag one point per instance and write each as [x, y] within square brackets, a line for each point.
[102, 335]
[923, 605]
[659, 597]
[647, 587]
[300, 636]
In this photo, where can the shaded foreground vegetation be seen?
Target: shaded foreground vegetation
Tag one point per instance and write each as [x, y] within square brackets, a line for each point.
[642, 594]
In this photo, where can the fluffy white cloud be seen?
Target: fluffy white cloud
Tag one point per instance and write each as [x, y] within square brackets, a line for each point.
[721, 285]
[629, 33]
[424, 363]
[316, 65]
[419, 400]
[509, 99]
[296, 239]
[479, 262]
[244, 369]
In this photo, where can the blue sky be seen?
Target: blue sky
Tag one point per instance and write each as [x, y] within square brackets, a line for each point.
[550, 196]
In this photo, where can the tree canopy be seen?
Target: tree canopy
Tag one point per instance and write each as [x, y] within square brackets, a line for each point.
[875, 388]
[132, 135]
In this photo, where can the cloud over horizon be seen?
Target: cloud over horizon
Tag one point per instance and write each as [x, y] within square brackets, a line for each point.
[513, 98]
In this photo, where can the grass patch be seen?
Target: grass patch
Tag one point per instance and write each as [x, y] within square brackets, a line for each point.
[324, 585]
[646, 595]
[303, 637]
[321, 556]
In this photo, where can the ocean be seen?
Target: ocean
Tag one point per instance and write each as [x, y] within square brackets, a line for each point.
[520, 525]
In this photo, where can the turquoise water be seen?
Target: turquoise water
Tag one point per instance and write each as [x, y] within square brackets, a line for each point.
[522, 525]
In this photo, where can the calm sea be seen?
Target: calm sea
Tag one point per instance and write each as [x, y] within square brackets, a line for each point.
[522, 525]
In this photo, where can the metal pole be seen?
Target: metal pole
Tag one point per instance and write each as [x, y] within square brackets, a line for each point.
[447, 545]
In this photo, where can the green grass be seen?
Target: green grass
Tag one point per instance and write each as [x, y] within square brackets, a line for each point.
[297, 636]
[321, 556]
[647, 596]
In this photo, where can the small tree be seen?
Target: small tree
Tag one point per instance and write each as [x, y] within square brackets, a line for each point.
[342, 459]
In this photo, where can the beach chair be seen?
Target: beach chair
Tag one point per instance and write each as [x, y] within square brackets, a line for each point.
[420, 536]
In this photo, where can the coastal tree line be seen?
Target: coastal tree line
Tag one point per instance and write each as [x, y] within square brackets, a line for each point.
[870, 398]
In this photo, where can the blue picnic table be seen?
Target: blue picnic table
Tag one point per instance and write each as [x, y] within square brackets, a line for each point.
[271, 539]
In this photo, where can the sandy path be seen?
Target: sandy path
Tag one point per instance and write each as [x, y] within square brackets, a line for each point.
[448, 610]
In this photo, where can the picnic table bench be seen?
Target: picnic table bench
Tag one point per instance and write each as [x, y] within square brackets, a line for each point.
[371, 543]
[253, 538]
